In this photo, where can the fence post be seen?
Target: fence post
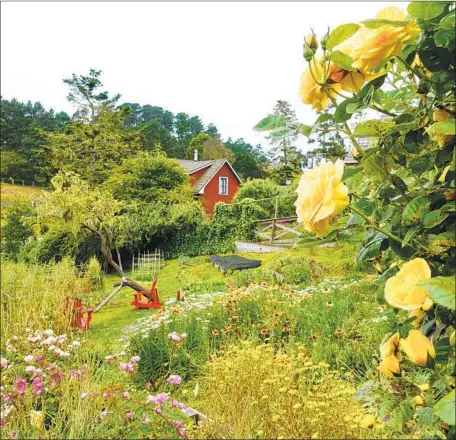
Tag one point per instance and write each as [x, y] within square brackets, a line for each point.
[276, 211]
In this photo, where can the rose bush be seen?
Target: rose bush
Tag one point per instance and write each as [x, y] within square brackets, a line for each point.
[401, 68]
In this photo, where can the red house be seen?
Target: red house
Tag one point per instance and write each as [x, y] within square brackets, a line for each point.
[213, 181]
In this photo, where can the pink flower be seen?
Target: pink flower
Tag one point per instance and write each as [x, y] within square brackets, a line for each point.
[182, 432]
[123, 366]
[158, 410]
[29, 369]
[135, 359]
[96, 394]
[2, 421]
[20, 384]
[130, 414]
[145, 420]
[177, 404]
[103, 414]
[37, 385]
[13, 434]
[149, 385]
[126, 395]
[174, 379]
[158, 400]
[178, 423]
[109, 358]
[38, 357]
[174, 337]
[108, 394]
[28, 359]
[84, 395]
[3, 362]
[73, 374]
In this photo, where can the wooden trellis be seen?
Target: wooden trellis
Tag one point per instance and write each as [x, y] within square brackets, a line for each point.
[147, 265]
[267, 229]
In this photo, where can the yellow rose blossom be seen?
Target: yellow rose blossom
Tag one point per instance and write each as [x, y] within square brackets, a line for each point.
[314, 90]
[321, 196]
[370, 47]
[417, 347]
[401, 290]
[418, 314]
[418, 400]
[389, 347]
[389, 366]
[423, 386]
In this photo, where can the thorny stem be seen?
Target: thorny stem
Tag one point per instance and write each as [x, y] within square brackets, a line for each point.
[377, 228]
[409, 67]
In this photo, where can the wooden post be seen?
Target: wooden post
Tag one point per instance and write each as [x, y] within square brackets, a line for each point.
[276, 211]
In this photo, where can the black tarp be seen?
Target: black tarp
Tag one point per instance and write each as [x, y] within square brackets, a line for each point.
[233, 262]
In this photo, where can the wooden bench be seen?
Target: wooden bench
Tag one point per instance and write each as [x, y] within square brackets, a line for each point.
[78, 320]
[152, 299]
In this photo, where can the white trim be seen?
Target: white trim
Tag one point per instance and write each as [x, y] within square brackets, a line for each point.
[226, 161]
[220, 186]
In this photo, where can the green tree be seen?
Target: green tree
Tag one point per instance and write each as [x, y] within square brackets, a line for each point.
[186, 128]
[154, 132]
[16, 231]
[146, 179]
[165, 117]
[92, 150]
[246, 166]
[212, 130]
[20, 126]
[197, 144]
[85, 92]
[214, 149]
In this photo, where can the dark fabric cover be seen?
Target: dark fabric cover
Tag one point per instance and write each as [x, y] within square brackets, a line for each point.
[233, 262]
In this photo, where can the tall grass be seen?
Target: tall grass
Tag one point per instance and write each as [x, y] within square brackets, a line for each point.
[34, 296]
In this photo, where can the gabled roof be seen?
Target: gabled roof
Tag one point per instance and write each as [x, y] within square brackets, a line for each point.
[192, 166]
[212, 167]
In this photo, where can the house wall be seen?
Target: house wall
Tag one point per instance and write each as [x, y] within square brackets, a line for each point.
[211, 193]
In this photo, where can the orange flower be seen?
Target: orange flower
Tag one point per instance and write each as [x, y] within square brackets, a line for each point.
[338, 331]
[329, 304]
[264, 331]
[215, 332]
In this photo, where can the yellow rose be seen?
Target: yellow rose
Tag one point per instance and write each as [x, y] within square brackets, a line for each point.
[418, 400]
[389, 366]
[389, 347]
[367, 421]
[370, 47]
[314, 89]
[418, 314]
[417, 347]
[401, 290]
[321, 196]
[37, 419]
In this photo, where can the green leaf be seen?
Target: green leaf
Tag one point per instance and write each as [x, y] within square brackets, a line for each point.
[414, 141]
[365, 206]
[323, 118]
[442, 350]
[342, 60]
[375, 166]
[378, 23]
[269, 123]
[373, 128]
[441, 242]
[409, 235]
[371, 249]
[444, 127]
[443, 81]
[445, 38]
[441, 290]
[445, 408]
[420, 164]
[350, 172]
[426, 10]
[434, 218]
[280, 132]
[346, 108]
[304, 129]
[415, 210]
[340, 34]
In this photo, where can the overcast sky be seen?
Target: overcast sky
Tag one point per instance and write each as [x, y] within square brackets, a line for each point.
[226, 62]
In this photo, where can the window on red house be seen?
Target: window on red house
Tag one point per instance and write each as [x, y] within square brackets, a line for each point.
[223, 186]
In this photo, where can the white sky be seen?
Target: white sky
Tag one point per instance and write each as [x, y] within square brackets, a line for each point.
[226, 62]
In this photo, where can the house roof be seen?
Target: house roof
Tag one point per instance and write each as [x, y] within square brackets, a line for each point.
[212, 167]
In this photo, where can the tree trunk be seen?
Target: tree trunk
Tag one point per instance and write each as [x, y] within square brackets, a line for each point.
[106, 251]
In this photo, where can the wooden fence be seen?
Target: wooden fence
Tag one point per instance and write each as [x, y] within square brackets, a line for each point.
[281, 230]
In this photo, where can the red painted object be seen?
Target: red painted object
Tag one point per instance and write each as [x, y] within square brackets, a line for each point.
[78, 320]
[153, 301]
[213, 181]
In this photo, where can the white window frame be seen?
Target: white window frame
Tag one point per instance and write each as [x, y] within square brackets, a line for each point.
[221, 186]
